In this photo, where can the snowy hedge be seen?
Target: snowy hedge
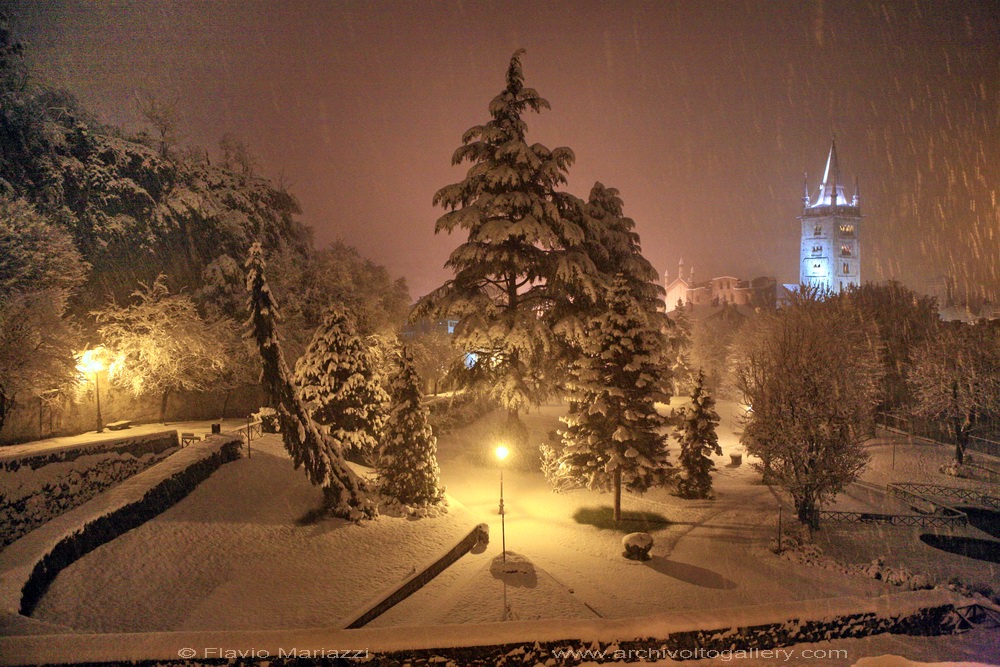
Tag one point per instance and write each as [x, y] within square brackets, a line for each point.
[37, 486]
[28, 566]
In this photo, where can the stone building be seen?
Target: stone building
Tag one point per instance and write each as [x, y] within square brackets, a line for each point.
[830, 255]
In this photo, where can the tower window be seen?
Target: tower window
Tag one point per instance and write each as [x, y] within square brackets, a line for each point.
[847, 230]
[819, 230]
[845, 250]
[847, 267]
[817, 249]
[817, 265]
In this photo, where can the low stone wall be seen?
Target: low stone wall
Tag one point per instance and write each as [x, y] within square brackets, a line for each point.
[737, 633]
[37, 487]
[479, 534]
[29, 565]
[690, 645]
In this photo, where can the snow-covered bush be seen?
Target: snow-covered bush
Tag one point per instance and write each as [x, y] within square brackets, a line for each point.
[459, 411]
[268, 418]
[811, 554]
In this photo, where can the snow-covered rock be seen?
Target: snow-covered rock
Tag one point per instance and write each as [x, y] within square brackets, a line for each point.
[637, 546]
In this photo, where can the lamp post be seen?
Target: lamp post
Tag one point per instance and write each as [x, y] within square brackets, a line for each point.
[90, 362]
[502, 453]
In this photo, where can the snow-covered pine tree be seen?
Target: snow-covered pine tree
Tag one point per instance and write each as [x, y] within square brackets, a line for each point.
[407, 458]
[516, 246]
[618, 250]
[680, 342]
[343, 490]
[338, 382]
[696, 434]
[612, 434]
[611, 247]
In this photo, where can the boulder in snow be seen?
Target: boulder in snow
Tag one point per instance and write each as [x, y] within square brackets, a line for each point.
[637, 546]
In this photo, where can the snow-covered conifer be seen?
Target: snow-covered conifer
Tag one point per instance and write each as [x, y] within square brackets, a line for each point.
[610, 248]
[696, 434]
[517, 240]
[343, 490]
[338, 381]
[680, 342]
[407, 458]
[612, 434]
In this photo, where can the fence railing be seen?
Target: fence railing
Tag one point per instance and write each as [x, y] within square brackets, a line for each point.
[940, 495]
[933, 430]
[937, 498]
[253, 429]
[955, 520]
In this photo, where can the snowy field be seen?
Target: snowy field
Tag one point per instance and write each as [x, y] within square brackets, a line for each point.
[712, 553]
[231, 556]
[917, 461]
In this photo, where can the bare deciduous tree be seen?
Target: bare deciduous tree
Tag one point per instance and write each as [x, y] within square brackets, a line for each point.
[956, 377]
[810, 374]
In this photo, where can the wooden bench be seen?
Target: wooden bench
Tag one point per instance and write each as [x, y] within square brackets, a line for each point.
[119, 426]
[188, 438]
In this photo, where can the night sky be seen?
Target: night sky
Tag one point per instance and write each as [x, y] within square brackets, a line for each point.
[704, 114]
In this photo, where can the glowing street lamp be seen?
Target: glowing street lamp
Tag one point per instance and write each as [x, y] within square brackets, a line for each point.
[91, 362]
[502, 453]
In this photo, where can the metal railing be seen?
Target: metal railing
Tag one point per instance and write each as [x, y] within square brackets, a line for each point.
[931, 493]
[935, 496]
[253, 429]
[952, 520]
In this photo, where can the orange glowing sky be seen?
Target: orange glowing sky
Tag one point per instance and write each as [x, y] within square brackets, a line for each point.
[703, 114]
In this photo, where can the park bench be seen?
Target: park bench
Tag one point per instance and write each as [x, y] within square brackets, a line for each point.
[120, 425]
[188, 438]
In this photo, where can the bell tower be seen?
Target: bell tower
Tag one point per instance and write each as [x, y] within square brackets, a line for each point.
[830, 255]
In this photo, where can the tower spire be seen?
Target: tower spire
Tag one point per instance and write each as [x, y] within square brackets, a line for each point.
[805, 187]
[831, 187]
[857, 192]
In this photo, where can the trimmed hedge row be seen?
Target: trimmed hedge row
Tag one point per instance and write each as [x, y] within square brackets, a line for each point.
[136, 445]
[73, 485]
[109, 526]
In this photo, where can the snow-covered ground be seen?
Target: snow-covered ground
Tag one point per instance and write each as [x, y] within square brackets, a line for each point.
[919, 461]
[713, 553]
[231, 556]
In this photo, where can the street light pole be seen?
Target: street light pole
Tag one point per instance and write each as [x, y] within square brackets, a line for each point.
[501, 453]
[90, 361]
[503, 529]
[97, 394]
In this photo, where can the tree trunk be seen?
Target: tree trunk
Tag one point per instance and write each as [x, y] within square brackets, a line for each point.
[961, 443]
[516, 431]
[225, 402]
[618, 494]
[5, 405]
[808, 513]
[163, 406]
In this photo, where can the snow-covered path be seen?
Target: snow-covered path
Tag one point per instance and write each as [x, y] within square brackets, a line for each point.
[231, 556]
[711, 554]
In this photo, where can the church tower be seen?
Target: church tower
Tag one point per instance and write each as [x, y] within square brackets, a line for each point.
[830, 256]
